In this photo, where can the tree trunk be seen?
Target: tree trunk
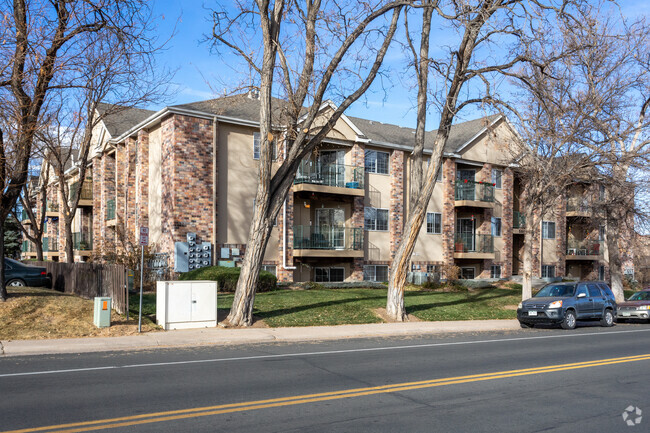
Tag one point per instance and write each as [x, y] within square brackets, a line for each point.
[3, 288]
[614, 258]
[69, 255]
[529, 238]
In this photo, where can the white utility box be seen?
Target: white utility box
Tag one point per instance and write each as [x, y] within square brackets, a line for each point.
[186, 304]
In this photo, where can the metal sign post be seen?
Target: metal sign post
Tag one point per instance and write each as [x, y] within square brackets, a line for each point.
[144, 240]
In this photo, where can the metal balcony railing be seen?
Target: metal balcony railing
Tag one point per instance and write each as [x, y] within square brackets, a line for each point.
[578, 205]
[474, 191]
[27, 247]
[82, 241]
[327, 238]
[338, 175]
[518, 220]
[24, 216]
[473, 243]
[51, 207]
[86, 190]
[583, 248]
[110, 209]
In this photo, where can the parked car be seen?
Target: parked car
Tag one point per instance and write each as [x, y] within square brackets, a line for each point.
[566, 303]
[18, 274]
[636, 307]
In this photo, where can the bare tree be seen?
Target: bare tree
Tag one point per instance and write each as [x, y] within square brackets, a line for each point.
[34, 202]
[315, 45]
[471, 63]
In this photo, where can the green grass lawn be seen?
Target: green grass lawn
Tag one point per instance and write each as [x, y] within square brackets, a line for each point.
[354, 306]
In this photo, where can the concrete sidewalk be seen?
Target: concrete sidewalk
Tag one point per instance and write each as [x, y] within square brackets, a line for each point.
[220, 336]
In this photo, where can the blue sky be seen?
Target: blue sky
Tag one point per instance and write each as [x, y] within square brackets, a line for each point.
[201, 75]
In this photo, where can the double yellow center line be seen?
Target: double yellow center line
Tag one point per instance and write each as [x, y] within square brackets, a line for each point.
[312, 398]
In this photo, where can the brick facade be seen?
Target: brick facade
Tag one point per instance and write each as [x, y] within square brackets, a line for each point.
[507, 183]
[396, 209]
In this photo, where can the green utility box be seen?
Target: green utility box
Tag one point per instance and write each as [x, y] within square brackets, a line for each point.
[102, 317]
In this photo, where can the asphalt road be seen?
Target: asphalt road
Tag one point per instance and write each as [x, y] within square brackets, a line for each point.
[524, 381]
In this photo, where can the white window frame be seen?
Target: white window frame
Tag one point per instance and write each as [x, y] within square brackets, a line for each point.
[376, 219]
[257, 147]
[546, 270]
[270, 268]
[369, 275]
[329, 273]
[462, 270]
[496, 222]
[601, 233]
[374, 168]
[545, 229]
[434, 215]
[492, 273]
[497, 178]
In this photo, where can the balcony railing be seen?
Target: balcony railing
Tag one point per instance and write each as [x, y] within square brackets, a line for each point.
[518, 220]
[27, 247]
[86, 190]
[581, 206]
[327, 238]
[24, 216]
[51, 207]
[82, 242]
[110, 209]
[474, 191]
[338, 175]
[474, 243]
[583, 248]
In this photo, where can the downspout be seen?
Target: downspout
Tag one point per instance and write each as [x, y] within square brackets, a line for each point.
[214, 189]
[284, 218]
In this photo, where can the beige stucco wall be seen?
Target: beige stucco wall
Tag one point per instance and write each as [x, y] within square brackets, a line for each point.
[237, 186]
[491, 147]
[155, 181]
[341, 131]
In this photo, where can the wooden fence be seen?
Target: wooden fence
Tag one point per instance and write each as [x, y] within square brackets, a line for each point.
[89, 280]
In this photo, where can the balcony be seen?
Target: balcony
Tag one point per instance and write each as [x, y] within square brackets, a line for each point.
[82, 242]
[331, 178]
[110, 210]
[474, 194]
[578, 208]
[327, 241]
[473, 246]
[584, 250]
[86, 198]
[52, 210]
[24, 217]
[27, 247]
[518, 223]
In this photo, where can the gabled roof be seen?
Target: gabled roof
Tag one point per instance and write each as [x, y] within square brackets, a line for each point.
[244, 107]
[118, 119]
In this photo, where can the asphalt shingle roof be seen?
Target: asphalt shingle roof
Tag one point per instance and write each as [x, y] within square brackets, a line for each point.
[242, 106]
[118, 119]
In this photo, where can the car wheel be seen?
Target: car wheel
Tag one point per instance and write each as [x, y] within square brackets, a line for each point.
[608, 318]
[526, 325]
[569, 321]
[16, 283]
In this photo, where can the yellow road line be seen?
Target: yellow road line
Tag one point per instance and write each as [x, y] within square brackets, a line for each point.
[311, 398]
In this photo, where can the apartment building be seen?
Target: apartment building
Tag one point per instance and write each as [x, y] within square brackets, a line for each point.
[192, 168]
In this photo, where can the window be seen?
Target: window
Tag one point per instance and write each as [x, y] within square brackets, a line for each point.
[269, 268]
[601, 272]
[548, 230]
[594, 291]
[329, 275]
[496, 177]
[433, 269]
[548, 271]
[375, 273]
[496, 226]
[601, 233]
[257, 145]
[495, 271]
[467, 273]
[376, 219]
[376, 162]
[434, 223]
[602, 192]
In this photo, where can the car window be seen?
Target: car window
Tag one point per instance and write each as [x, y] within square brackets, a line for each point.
[605, 288]
[640, 296]
[581, 289]
[556, 290]
[594, 290]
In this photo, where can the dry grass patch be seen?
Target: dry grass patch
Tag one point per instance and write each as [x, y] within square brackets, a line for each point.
[35, 313]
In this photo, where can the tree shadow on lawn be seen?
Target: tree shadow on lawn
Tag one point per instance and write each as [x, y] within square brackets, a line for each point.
[481, 295]
[300, 308]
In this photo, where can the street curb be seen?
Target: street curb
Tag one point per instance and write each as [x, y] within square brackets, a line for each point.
[228, 336]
